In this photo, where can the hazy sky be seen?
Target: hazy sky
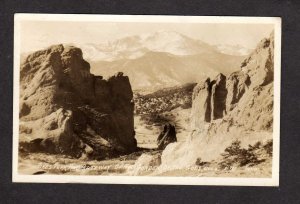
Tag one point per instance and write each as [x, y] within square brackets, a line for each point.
[40, 34]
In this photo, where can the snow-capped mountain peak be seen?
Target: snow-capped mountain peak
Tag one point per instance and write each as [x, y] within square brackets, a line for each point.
[171, 42]
[132, 47]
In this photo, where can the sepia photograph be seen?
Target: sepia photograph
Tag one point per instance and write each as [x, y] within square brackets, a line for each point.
[145, 99]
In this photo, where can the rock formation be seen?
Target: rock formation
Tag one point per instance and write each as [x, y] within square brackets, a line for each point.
[237, 83]
[167, 136]
[241, 94]
[218, 97]
[201, 108]
[209, 101]
[64, 108]
[239, 106]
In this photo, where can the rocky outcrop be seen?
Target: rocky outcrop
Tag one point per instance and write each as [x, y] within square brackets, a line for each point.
[201, 108]
[237, 107]
[51, 134]
[244, 97]
[236, 85]
[251, 104]
[167, 136]
[209, 101]
[57, 82]
[218, 97]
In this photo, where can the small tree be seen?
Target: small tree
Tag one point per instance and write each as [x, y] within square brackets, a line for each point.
[234, 154]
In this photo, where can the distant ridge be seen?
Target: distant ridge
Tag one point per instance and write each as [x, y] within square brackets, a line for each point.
[161, 59]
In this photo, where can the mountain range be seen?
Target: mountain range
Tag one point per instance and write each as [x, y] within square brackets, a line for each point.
[162, 59]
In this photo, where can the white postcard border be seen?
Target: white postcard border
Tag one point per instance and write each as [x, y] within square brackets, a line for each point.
[160, 180]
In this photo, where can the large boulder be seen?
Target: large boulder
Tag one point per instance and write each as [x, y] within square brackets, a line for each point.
[52, 134]
[167, 136]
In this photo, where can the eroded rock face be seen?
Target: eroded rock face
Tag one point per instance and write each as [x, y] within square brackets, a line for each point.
[253, 109]
[201, 108]
[59, 79]
[209, 101]
[218, 97]
[51, 134]
[237, 84]
[248, 116]
[245, 97]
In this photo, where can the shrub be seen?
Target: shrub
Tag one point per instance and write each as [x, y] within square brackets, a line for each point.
[234, 154]
[199, 162]
[255, 146]
[268, 147]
